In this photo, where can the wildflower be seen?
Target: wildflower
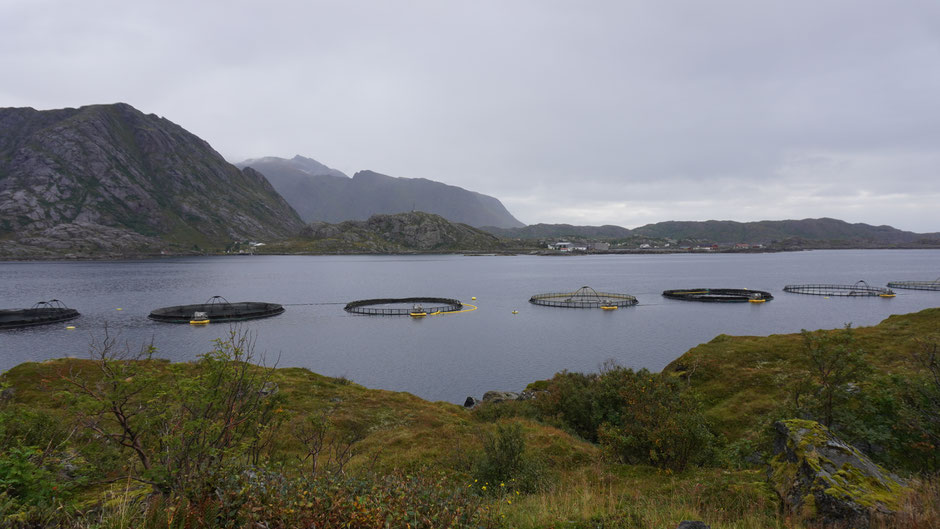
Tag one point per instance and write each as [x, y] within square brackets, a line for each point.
[502, 484]
[484, 487]
[509, 502]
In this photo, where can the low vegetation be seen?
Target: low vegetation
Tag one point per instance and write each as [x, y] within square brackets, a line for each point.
[124, 439]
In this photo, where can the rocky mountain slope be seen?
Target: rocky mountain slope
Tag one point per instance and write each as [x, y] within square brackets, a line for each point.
[414, 231]
[110, 180]
[807, 232]
[319, 193]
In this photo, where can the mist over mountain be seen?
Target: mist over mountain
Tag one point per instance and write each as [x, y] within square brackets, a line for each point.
[320, 193]
[109, 179]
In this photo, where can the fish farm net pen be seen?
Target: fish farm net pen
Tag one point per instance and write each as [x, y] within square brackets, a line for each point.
[719, 295]
[374, 307]
[584, 298]
[859, 289]
[916, 285]
[217, 309]
[42, 313]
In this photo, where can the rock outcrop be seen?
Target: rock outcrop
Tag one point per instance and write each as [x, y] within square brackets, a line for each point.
[492, 397]
[108, 179]
[821, 478]
[403, 232]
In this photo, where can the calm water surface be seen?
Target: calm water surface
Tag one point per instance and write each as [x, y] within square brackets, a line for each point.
[448, 357]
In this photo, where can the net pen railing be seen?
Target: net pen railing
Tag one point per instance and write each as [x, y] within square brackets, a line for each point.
[377, 307]
[916, 285]
[858, 289]
[217, 309]
[718, 295]
[583, 298]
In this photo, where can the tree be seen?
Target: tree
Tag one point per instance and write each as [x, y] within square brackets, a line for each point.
[183, 423]
[835, 364]
[920, 395]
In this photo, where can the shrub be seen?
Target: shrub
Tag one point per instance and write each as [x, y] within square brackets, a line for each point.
[182, 426]
[505, 461]
[641, 417]
[657, 422]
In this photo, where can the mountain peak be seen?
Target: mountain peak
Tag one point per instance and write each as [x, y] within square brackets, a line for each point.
[323, 197]
[105, 178]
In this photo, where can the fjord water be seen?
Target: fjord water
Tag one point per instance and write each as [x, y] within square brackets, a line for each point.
[450, 356]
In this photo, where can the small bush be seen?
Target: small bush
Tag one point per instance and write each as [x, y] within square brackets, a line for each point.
[505, 461]
[641, 417]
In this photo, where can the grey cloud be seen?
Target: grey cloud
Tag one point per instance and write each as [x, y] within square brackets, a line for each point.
[822, 108]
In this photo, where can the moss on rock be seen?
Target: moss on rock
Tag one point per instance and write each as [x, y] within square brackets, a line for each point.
[819, 477]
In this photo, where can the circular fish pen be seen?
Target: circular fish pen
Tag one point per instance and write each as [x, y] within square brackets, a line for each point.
[916, 285]
[719, 295]
[42, 313]
[403, 306]
[584, 298]
[216, 310]
[859, 289]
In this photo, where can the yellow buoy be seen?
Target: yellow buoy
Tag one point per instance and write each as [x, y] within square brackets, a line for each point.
[120, 309]
[757, 300]
[418, 314]
[609, 307]
[198, 322]
[515, 312]
[473, 298]
[70, 327]
[886, 295]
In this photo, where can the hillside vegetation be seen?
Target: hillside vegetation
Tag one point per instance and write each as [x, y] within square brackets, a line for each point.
[123, 439]
[414, 231]
[779, 234]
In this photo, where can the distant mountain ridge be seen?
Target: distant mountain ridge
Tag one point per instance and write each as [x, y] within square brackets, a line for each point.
[726, 231]
[109, 179]
[320, 193]
[541, 231]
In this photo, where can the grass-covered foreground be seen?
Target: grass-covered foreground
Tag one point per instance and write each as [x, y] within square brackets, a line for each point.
[126, 440]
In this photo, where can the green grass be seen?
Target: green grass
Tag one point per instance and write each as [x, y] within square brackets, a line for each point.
[740, 377]
[403, 435]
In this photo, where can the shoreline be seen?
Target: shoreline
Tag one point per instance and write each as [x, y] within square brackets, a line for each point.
[497, 253]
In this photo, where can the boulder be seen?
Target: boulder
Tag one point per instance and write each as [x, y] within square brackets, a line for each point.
[823, 479]
[499, 396]
[470, 402]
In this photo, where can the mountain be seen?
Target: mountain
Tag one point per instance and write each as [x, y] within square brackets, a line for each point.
[766, 231]
[806, 232]
[109, 179]
[414, 231]
[542, 231]
[319, 193]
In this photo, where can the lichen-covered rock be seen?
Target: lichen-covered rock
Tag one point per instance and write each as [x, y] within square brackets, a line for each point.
[493, 397]
[821, 478]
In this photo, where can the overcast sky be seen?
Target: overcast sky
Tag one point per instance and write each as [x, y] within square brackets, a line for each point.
[584, 112]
